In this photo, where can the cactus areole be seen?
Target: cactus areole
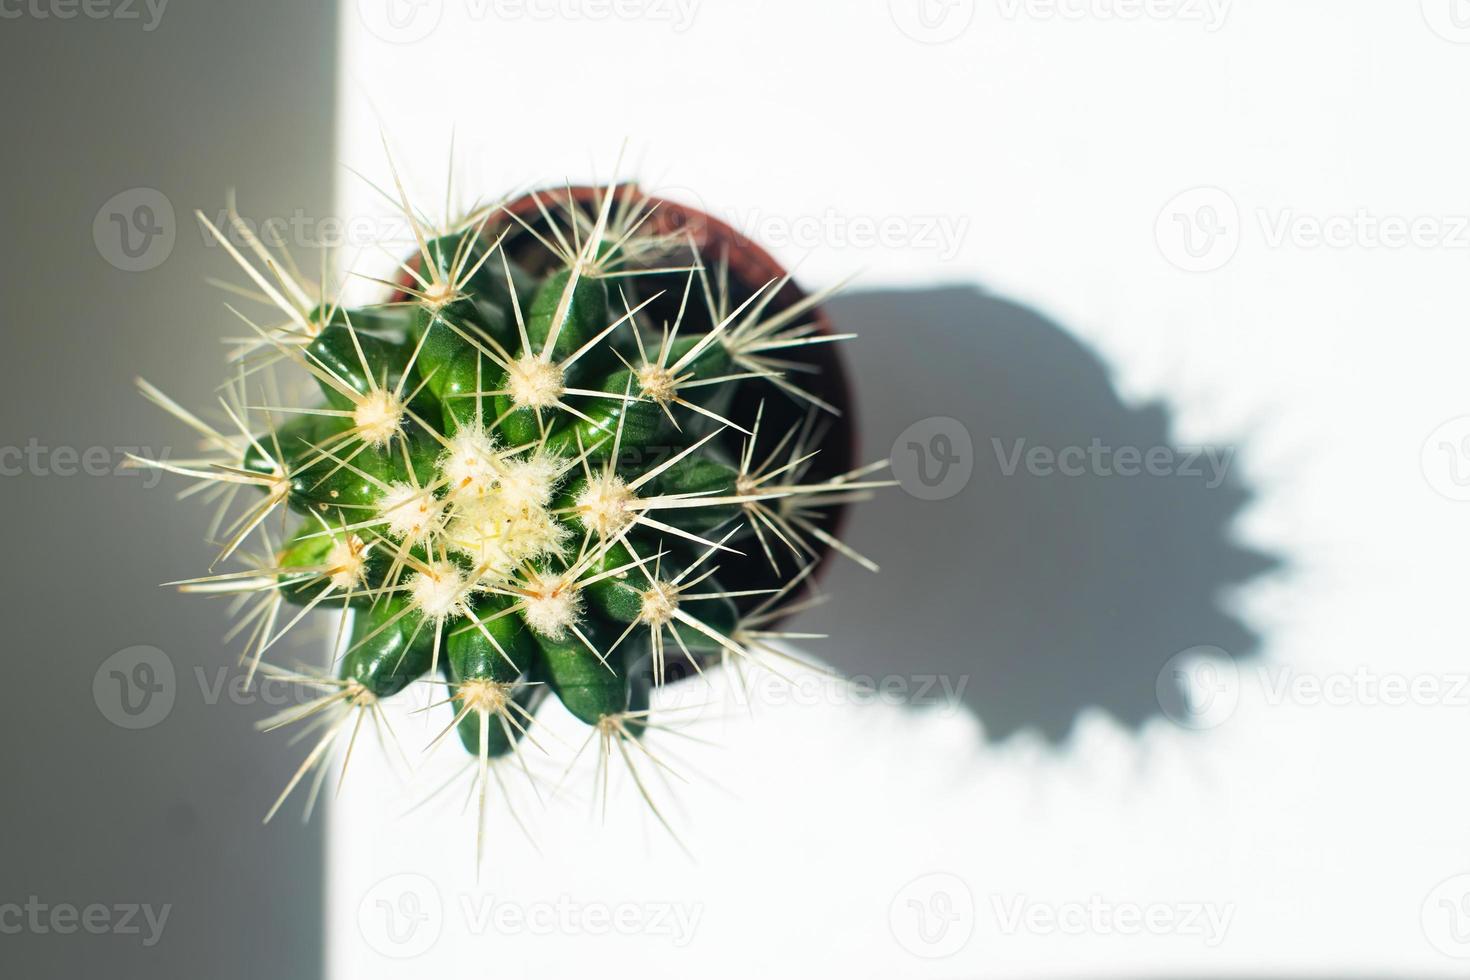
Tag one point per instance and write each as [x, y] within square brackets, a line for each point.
[590, 443]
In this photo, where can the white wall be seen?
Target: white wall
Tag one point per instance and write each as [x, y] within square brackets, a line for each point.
[1043, 156]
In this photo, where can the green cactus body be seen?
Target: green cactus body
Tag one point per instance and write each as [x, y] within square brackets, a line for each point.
[521, 478]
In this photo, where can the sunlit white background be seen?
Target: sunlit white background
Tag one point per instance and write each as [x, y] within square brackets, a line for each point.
[1256, 213]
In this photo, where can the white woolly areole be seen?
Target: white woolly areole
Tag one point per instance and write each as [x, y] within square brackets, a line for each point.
[603, 505]
[437, 295]
[476, 529]
[552, 605]
[659, 603]
[437, 590]
[489, 697]
[498, 538]
[469, 462]
[528, 483]
[346, 563]
[534, 383]
[534, 533]
[378, 416]
[359, 696]
[658, 383]
[411, 512]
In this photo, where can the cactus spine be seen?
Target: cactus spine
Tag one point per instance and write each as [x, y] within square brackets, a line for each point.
[538, 468]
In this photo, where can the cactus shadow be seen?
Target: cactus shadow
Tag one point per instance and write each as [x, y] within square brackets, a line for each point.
[1044, 594]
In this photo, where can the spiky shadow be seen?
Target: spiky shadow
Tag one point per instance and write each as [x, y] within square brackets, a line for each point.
[1047, 594]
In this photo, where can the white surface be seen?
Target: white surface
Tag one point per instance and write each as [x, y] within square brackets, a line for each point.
[1059, 145]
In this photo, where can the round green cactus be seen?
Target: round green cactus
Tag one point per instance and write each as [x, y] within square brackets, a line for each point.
[537, 466]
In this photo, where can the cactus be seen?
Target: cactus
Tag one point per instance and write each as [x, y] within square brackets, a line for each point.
[543, 464]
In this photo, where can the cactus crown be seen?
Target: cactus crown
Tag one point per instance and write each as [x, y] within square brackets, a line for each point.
[546, 463]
